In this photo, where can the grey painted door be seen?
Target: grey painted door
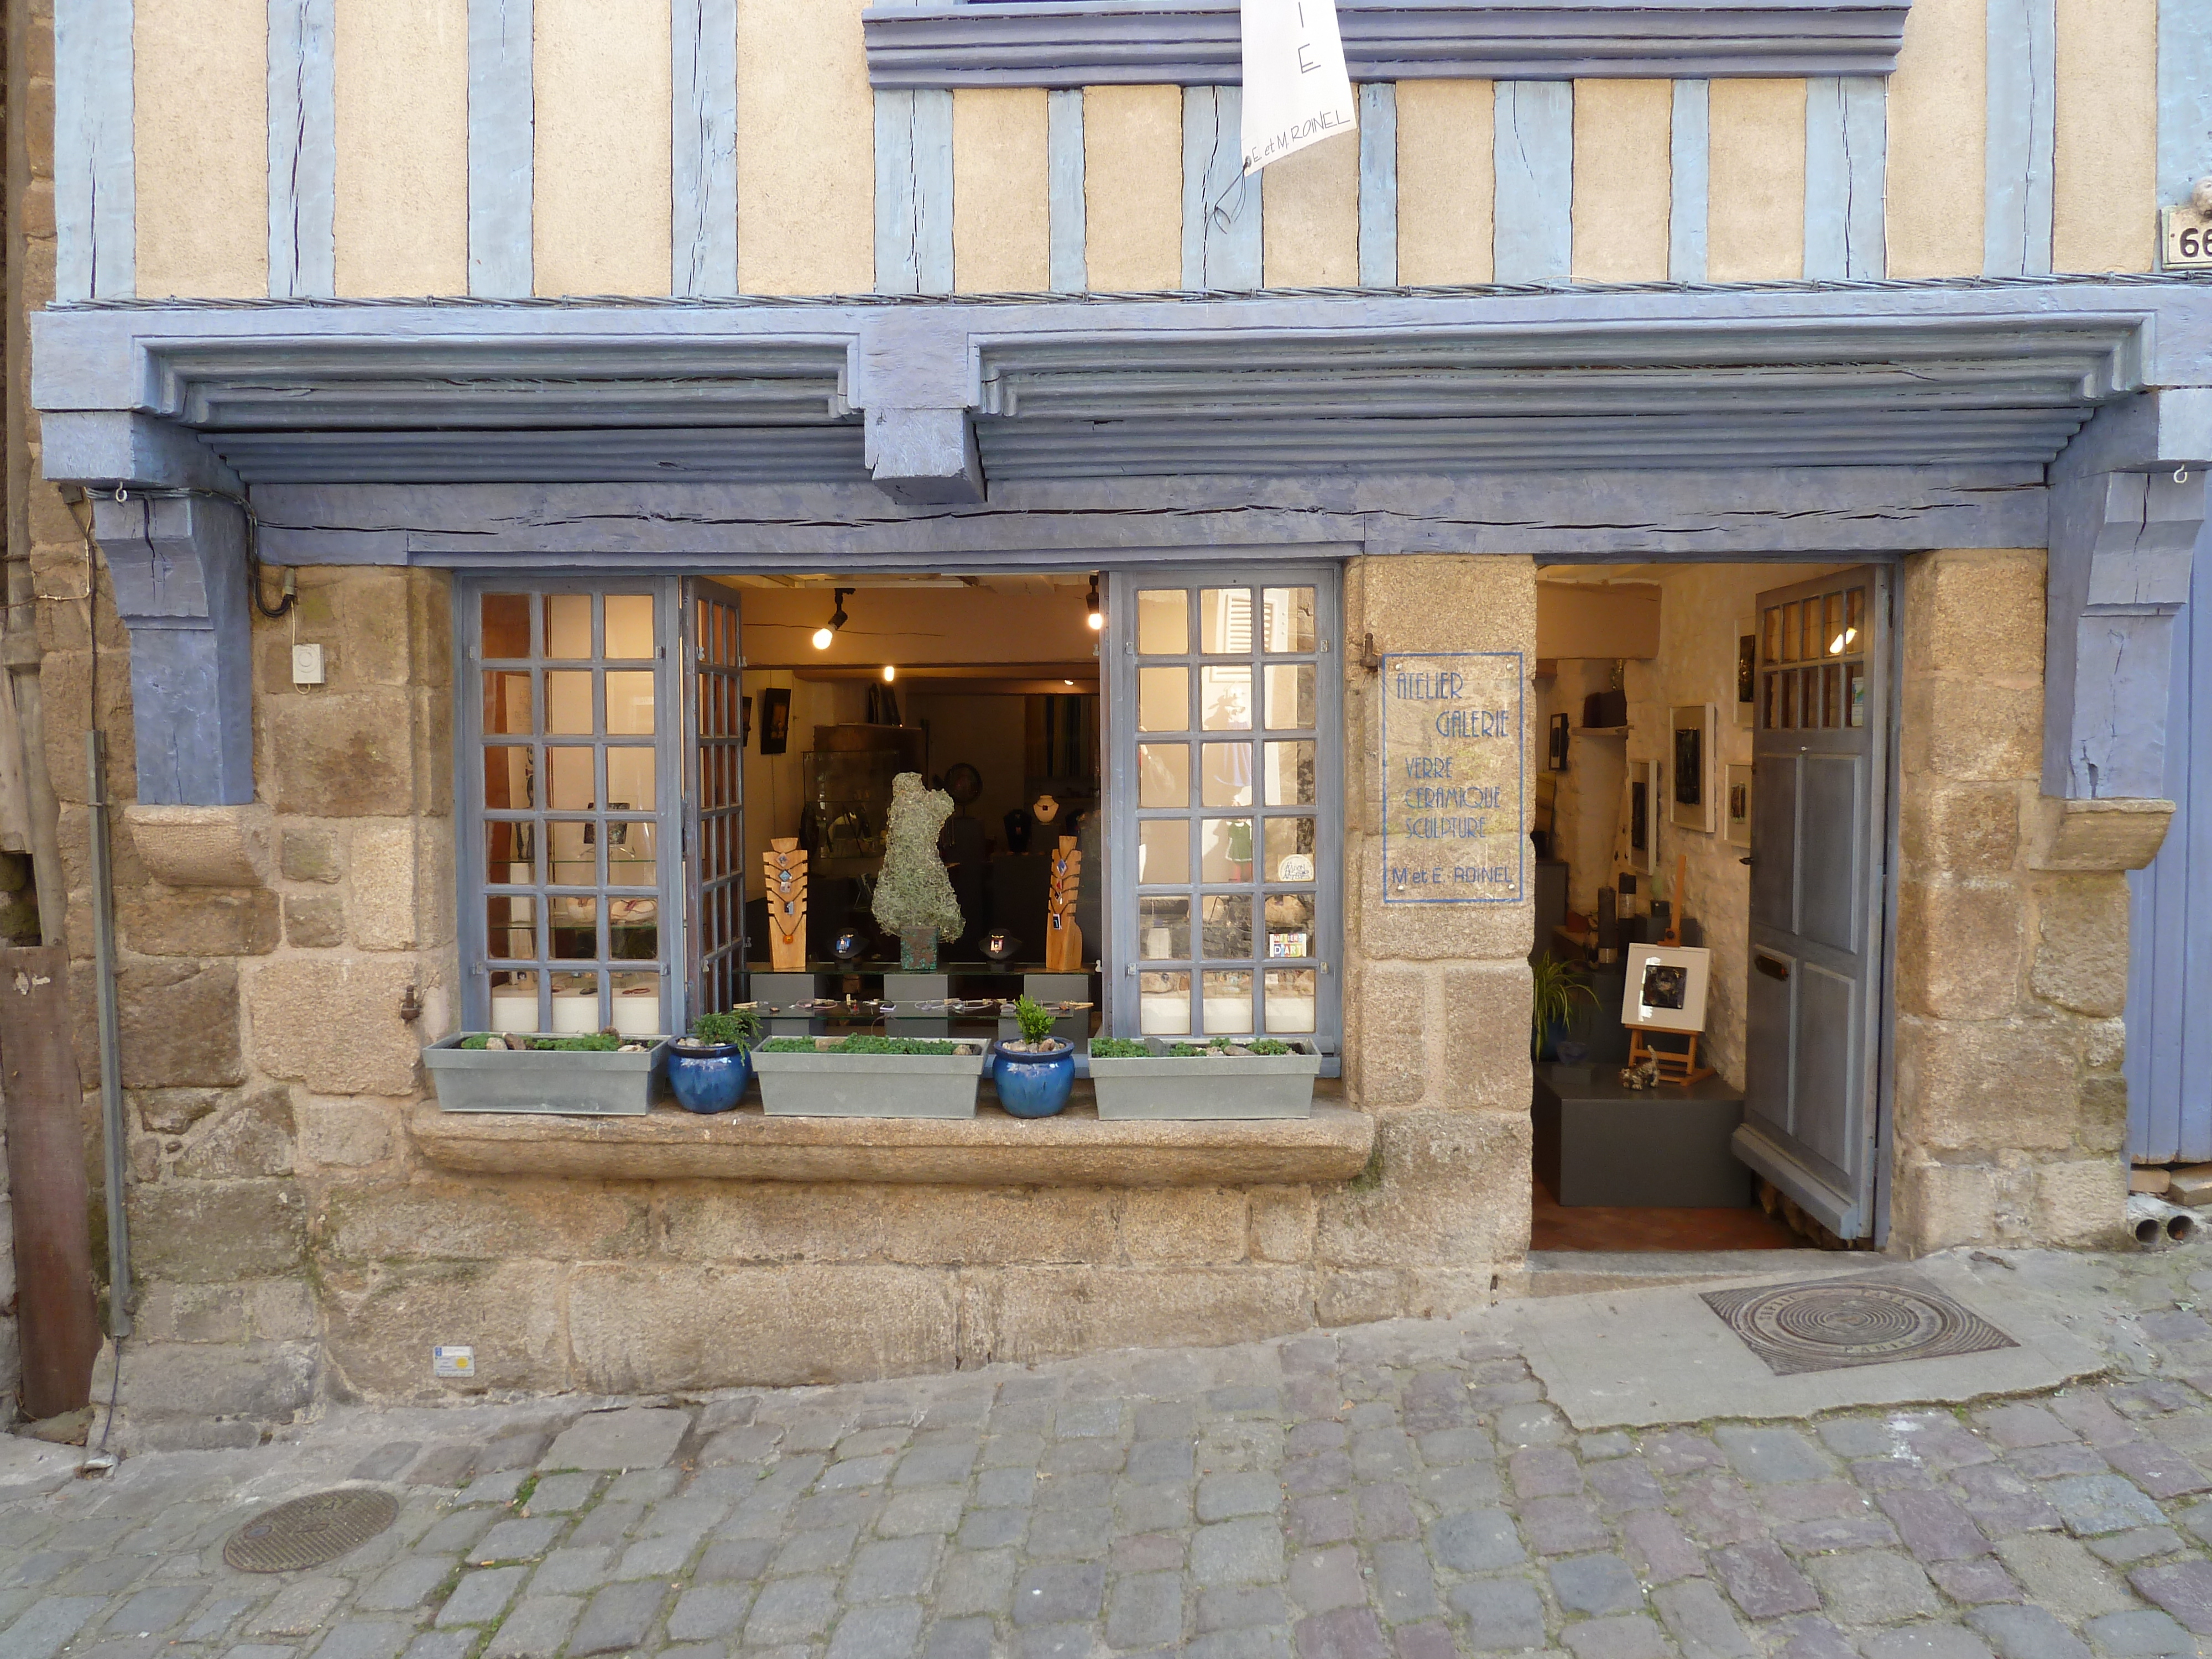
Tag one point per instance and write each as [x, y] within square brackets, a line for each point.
[1819, 818]
[713, 792]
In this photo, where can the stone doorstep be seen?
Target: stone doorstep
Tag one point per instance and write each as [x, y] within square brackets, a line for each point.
[1580, 1273]
[1075, 1148]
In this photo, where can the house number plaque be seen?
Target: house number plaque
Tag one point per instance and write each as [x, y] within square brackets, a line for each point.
[1454, 740]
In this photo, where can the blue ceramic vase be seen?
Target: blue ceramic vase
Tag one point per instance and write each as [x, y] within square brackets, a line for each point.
[709, 1080]
[1033, 1086]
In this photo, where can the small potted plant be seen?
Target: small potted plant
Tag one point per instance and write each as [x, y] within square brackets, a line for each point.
[1034, 1074]
[709, 1069]
[913, 894]
[1555, 987]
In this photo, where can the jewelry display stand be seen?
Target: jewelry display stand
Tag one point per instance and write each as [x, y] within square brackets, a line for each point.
[785, 865]
[1063, 939]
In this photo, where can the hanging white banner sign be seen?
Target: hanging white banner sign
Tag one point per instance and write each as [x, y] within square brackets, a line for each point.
[1296, 90]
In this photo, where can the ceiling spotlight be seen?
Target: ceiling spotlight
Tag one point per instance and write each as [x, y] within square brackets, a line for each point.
[1067, 682]
[890, 672]
[828, 631]
[1097, 618]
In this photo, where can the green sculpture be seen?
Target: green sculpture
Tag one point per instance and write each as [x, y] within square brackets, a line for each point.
[913, 894]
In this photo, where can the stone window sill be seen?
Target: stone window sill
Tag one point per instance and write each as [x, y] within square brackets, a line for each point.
[992, 1149]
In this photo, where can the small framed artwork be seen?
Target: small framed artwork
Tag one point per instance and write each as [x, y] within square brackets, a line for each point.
[775, 720]
[1559, 743]
[744, 721]
[1747, 671]
[1692, 804]
[1639, 817]
[1736, 805]
[1666, 988]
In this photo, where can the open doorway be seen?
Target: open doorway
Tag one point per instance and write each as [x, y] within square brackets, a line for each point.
[1711, 812]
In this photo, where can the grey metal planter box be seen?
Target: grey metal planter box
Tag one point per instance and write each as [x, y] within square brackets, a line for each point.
[578, 1085]
[869, 1085]
[1253, 1085]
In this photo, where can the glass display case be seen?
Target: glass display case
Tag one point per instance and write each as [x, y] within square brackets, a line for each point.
[849, 798]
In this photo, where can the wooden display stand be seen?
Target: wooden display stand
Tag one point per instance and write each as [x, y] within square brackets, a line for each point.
[785, 865]
[1676, 1066]
[1063, 939]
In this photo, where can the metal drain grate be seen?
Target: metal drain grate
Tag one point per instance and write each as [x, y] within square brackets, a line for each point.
[1833, 1323]
[309, 1531]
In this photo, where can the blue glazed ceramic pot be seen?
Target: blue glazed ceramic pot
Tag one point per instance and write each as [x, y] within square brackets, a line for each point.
[709, 1080]
[1033, 1086]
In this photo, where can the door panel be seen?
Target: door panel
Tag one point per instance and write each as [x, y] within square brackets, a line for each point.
[714, 773]
[1820, 771]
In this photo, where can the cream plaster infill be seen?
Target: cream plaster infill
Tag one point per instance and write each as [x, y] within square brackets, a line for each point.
[1075, 1148]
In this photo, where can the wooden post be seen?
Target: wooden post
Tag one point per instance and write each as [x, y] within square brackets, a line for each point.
[54, 1297]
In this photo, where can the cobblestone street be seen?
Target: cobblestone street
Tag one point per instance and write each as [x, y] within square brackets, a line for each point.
[1401, 1489]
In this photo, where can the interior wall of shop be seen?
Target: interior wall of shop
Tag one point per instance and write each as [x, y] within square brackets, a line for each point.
[401, 155]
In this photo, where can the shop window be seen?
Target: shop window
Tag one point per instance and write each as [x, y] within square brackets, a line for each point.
[1813, 663]
[569, 835]
[1226, 832]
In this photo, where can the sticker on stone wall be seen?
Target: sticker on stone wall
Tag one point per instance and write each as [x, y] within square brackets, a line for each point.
[1454, 828]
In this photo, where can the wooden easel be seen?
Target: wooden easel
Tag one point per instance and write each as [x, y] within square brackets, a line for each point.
[785, 865]
[1063, 939]
[1676, 1066]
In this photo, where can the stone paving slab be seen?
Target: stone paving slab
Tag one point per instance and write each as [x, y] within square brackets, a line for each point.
[1407, 1491]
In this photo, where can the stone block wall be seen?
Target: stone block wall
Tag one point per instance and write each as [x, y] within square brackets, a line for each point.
[2011, 1114]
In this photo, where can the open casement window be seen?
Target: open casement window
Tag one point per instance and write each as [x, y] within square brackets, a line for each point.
[714, 751]
[570, 878]
[1226, 780]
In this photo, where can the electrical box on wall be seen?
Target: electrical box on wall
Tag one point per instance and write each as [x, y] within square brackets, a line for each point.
[452, 1362]
[306, 664]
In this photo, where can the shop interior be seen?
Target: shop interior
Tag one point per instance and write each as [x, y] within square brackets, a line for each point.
[986, 686]
[1642, 669]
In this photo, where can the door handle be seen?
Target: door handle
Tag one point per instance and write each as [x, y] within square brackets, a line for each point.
[1772, 966]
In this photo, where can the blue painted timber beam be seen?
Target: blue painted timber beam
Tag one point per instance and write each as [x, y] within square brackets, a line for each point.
[107, 448]
[179, 570]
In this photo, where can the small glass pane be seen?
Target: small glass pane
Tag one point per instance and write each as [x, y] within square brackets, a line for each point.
[1811, 649]
[1226, 849]
[575, 861]
[1832, 625]
[1789, 633]
[576, 927]
[1289, 619]
[1772, 647]
[568, 701]
[514, 1002]
[1290, 924]
[506, 626]
[1163, 850]
[1163, 699]
[1162, 775]
[1290, 697]
[1163, 929]
[1228, 926]
[571, 789]
[508, 708]
[1832, 696]
[1293, 996]
[509, 784]
[1225, 621]
[629, 626]
[569, 626]
[575, 1003]
[637, 1003]
[1770, 698]
[629, 704]
[629, 780]
[1855, 687]
[508, 849]
[633, 929]
[1228, 1002]
[511, 928]
[1224, 698]
[1855, 619]
[1164, 1004]
[631, 855]
[1789, 701]
[1289, 849]
[1290, 774]
[1228, 776]
[1163, 622]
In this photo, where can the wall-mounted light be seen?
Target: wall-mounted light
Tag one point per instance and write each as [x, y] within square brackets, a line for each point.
[1097, 618]
[890, 672]
[828, 631]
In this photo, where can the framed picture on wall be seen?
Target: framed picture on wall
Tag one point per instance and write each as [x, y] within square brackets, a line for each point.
[1558, 761]
[744, 721]
[1692, 804]
[775, 720]
[1639, 817]
[1747, 670]
[1735, 806]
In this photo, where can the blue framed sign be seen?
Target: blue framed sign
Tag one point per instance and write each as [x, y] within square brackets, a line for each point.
[1454, 736]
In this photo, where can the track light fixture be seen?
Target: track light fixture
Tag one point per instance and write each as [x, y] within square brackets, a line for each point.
[828, 631]
[1097, 618]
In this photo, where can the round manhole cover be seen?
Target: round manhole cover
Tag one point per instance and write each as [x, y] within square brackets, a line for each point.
[309, 1531]
[1857, 1321]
